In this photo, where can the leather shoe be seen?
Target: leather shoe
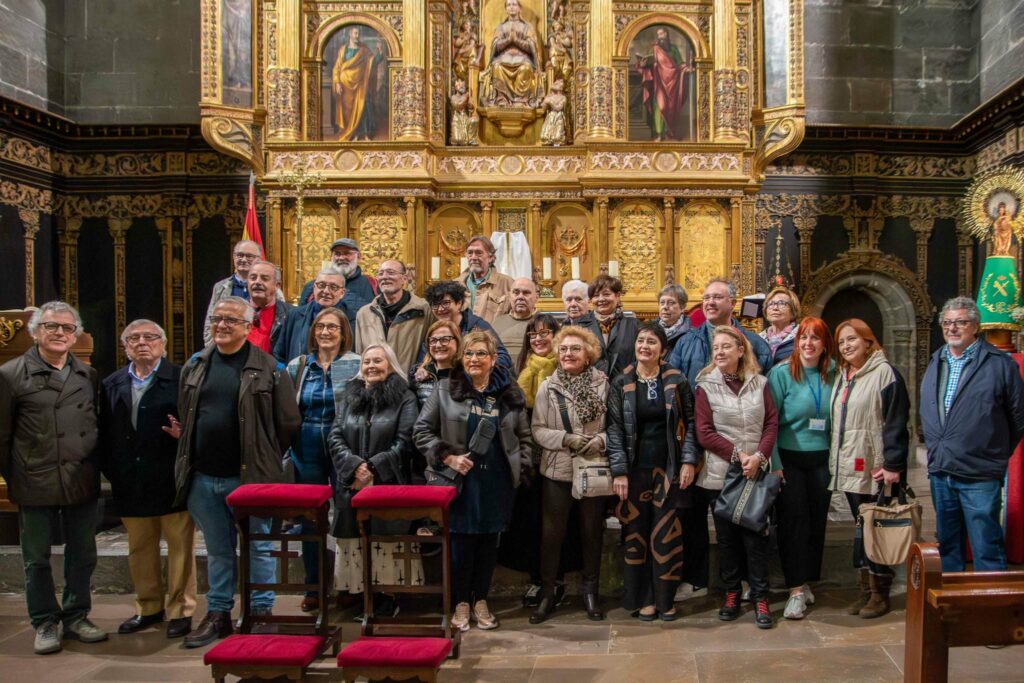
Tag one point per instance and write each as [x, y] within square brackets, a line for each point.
[545, 608]
[139, 622]
[310, 603]
[213, 626]
[593, 607]
[176, 628]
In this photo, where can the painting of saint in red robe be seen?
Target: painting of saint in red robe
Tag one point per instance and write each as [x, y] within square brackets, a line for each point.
[662, 94]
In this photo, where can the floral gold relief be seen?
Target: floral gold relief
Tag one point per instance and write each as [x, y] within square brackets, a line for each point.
[381, 236]
[637, 246]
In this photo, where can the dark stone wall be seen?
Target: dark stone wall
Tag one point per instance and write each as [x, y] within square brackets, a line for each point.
[32, 52]
[1000, 45]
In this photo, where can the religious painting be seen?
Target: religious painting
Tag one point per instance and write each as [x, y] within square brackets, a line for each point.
[662, 85]
[236, 52]
[354, 86]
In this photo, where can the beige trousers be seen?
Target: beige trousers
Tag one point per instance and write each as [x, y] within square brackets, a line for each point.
[144, 535]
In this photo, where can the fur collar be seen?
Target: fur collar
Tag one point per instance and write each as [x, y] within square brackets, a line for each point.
[381, 396]
[508, 393]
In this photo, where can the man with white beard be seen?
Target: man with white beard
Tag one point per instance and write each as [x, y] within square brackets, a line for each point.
[359, 289]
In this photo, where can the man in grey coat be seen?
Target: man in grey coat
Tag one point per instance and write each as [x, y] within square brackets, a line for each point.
[48, 434]
[243, 256]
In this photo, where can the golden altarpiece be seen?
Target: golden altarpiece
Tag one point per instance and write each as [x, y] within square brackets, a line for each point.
[623, 136]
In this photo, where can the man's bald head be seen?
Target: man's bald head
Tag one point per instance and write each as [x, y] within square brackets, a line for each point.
[524, 298]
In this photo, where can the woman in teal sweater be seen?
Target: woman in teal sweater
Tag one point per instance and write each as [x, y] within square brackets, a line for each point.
[801, 388]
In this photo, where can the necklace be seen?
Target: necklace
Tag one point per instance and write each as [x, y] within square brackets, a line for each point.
[651, 383]
[730, 376]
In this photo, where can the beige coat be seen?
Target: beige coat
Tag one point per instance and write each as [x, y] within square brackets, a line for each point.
[405, 335]
[738, 417]
[549, 430]
[491, 295]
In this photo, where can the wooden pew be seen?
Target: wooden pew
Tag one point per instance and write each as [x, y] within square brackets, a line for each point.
[956, 609]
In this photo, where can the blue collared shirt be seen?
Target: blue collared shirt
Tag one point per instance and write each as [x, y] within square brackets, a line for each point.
[956, 366]
[140, 386]
[239, 287]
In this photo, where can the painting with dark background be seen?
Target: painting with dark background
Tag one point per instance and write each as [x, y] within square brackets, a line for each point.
[236, 52]
[354, 86]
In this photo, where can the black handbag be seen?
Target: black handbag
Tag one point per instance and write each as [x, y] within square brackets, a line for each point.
[748, 502]
[478, 445]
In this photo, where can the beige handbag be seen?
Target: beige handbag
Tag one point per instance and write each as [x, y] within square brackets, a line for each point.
[890, 527]
[591, 477]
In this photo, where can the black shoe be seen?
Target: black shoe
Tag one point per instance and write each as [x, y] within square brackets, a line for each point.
[559, 593]
[763, 614]
[669, 616]
[730, 609]
[545, 608]
[139, 622]
[176, 628]
[647, 617]
[213, 626]
[593, 607]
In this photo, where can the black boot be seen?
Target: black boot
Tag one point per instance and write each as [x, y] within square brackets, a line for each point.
[593, 607]
[545, 608]
[730, 609]
[213, 626]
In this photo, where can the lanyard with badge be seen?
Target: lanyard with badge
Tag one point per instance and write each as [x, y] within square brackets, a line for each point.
[817, 423]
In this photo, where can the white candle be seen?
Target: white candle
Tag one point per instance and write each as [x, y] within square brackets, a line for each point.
[435, 268]
[463, 264]
[613, 268]
[547, 267]
[575, 267]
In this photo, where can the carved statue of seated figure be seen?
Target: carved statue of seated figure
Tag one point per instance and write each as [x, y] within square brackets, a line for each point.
[512, 77]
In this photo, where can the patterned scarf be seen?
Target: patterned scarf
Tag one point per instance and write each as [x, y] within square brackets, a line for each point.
[580, 389]
[606, 324]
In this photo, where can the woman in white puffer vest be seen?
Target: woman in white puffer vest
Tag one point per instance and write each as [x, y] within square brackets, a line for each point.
[736, 423]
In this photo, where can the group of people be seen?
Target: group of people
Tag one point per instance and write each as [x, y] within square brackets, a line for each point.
[367, 383]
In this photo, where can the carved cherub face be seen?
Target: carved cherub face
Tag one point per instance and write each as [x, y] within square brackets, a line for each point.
[556, 26]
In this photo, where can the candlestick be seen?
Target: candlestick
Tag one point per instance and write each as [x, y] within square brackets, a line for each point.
[435, 268]
[463, 264]
[547, 267]
[575, 267]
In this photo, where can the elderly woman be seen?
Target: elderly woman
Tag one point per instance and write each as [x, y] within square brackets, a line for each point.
[736, 425]
[781, 313]
[672, 313]
[443, 340]
[615, 331]
[576, 301]
[370, 443]
[321, 376]
[569, 422]
[801, 388]
[451, 432]
[538, 359]
[870, 442]
[649, 406]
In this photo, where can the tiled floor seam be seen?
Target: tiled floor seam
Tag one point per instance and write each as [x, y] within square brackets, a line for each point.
[899, 665]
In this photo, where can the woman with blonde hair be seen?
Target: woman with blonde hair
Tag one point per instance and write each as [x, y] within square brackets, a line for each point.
[781, 314]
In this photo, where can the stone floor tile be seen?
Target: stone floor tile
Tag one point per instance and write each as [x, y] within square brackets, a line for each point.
[152, 670]
[867, 664]
[710, 635]
[626, 668]
[545, 639]
[487, 669]
[976, 664]
[843, 629]
[61, 667]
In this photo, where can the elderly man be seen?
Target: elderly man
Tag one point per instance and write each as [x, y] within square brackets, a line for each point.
[328, 291]
[269, 311]
[48, 436]
[447, 302]
[396, 317]
[359, 289]
[244, 255]
[972, 415]
[139, 433]
[487, 287]
[238, 418]
[511, 327]
[576, 300]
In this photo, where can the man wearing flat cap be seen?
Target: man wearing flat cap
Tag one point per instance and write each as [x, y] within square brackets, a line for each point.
[359, 289]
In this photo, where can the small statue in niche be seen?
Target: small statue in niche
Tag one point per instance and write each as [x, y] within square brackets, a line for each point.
[466, 50]
[560, 50]
[465, 120]
[559, 10]
[467, 10]
[553, 131]
[1002, 233]
[513, 74]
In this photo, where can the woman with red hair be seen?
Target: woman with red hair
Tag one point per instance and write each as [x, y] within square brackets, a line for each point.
[870, 441]
[801, 387]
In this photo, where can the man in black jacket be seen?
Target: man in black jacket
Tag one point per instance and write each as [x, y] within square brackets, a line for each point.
[972, 415]
[139, 432]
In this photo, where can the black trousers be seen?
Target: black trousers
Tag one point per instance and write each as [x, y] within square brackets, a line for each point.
[860, 558]
[742, 551]
[558, 503]
[474, 557]
[698, 540]
[802, 509]
[653, 538]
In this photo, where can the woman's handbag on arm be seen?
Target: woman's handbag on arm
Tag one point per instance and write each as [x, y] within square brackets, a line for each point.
[748, 502]
[890, 526]
[591, 477]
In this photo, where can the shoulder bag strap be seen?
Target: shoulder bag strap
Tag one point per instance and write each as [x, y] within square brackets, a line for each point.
[564, 412]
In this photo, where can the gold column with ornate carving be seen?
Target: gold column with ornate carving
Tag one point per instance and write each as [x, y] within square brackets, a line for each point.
[534, 236]
[413, 256]
[283, 79]
[410, 86]
[601, 207]
[68, 231]
[732, 236]
[166, 228]
[747, 249]
[724, 39]
[487, 211]
[30, 224]
[602, 45]
[668, 236]
[118, 227]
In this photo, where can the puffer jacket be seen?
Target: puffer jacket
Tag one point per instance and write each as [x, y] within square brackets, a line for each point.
[622, 422]
[870, 410]
[549, 429]
[48, 432]
[739, 417]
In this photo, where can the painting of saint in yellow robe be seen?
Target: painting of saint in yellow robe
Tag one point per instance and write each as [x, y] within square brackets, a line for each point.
[359, 104]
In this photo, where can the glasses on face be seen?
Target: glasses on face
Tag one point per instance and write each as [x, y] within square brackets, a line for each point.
[443, 305]
[440, 341]
[714, 297]
[668, 303]
[230, 322]
[334, 289]
[149, 337]
[777, 303]
[573, 349]
[388, 272]
[246, 257]
[66, 328]
[948, 324]
[476, 354]
[543, 334]
[326, 327]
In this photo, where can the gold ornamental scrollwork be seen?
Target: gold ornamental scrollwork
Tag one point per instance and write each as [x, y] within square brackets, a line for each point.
[637, 246]
[381, 236]
[235, 138]
[1003, 185]
[9, 328]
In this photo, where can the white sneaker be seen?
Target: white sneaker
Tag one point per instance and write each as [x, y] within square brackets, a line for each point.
[795, 607]
[460, 619]
[808, 595]
[686, 592]
[745, 595]
[48, 637]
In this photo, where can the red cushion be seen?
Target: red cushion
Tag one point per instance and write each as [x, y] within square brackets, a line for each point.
[280, 495]
[397, 652]
[266, 650]
[404, 497]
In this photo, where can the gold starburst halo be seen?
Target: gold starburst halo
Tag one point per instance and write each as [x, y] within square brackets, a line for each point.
[980, 203]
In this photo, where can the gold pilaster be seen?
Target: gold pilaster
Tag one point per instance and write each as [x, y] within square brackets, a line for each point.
[487, 212]
[732, 237]
[413, 256]
[725, 103]
[275, 221]
[118, 227]
[283, 77]
[748, 250]
[343, 209]
[601, 208]
[533, 232]
[668, 234]
[165, 226]
[68, 230]
[602, 45]
[30, 225]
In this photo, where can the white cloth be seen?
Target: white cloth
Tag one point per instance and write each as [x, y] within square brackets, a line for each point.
[348, 565]
[512, 254]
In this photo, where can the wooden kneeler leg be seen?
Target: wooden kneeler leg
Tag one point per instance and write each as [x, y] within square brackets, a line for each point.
[926, 658]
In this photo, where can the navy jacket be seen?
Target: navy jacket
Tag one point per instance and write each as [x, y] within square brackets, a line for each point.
[620, 349]
[692, 352]
[294, 336]
[359, 291]
[985, 422]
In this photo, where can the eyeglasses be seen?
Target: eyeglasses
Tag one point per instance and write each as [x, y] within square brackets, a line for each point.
[230, 322]
[574, 349]
[329, 327]
[714, 297]
[246, 257]
[476, 354]
[66, 328]
[946, 324]
[388, 273]
[440, 341]
[442, 305]
[543, 334]
[321, 286]
[777, 303]
[147, 337]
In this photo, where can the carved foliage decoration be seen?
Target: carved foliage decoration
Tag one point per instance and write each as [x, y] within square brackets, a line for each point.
[283, 100]
[317, 234]
[601, 98]
[235, 138]
[637, 240]
[381, 235]
[410, 115]
[702, 227]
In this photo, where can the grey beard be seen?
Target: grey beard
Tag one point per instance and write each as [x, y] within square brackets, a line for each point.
[346, 268]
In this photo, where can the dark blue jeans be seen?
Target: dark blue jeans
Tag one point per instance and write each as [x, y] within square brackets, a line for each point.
[312, 466]
[971, 506]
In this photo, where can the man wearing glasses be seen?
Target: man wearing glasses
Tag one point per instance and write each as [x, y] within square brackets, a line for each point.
[359, 289]
[243, 256]
[139, 432]
[328, 291]
[972, 415]
[488, 289]
[48, 435]
[510, 327]
[396, 317]
[238, 418]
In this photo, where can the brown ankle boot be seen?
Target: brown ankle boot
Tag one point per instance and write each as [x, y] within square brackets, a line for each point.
[863, 594]
[878, 603]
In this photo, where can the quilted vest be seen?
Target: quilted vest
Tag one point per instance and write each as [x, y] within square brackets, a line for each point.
[738, 417]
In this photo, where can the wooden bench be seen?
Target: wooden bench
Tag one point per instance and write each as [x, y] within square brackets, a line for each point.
[956, 609]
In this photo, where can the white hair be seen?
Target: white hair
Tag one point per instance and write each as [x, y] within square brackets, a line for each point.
[241, 243]
[54, 307]
[139, 323]
[332, 270]
[573, 285]
[238, 301]
[389, 353]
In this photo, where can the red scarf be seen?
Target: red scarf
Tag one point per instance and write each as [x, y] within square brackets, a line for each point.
[259, 333]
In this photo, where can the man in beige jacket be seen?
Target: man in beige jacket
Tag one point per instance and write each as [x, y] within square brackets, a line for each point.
[488, 289]
[396, 316]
